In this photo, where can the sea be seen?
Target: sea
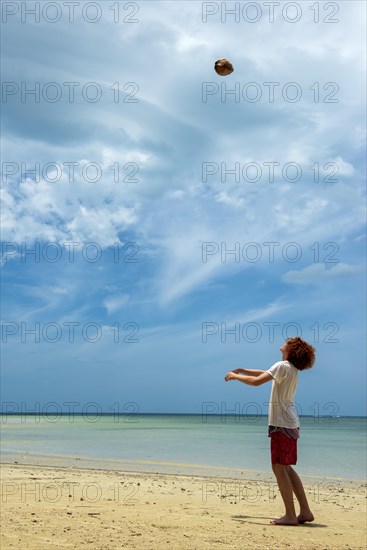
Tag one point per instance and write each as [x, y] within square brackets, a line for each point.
[183, 444]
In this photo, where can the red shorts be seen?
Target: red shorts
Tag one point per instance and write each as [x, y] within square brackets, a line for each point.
[283, 449]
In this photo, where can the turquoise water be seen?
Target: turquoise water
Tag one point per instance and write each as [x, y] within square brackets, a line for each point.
[334, 448]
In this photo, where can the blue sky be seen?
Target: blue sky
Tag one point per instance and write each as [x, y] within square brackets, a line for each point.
[152, 244]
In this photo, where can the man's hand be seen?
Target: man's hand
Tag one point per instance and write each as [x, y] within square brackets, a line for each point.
[230, 376]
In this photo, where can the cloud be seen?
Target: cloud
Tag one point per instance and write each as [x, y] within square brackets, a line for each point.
[319, 274]
[115, 303]
[167, 208]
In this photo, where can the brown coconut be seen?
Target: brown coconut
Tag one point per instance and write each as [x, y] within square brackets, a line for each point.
[223, 67]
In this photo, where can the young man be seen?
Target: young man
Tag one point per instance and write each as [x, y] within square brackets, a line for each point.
[284, 422]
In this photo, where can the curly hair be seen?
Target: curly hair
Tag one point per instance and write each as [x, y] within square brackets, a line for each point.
[300, 353]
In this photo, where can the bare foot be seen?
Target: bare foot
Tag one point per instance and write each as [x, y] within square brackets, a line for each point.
[285, 520]
[302, 518]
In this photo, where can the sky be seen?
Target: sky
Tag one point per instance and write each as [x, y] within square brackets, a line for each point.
[161, 224]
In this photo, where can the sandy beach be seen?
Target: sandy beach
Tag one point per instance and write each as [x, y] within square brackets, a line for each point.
[65, 507]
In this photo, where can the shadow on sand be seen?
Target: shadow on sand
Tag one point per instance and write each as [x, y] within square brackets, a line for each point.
[242, 518]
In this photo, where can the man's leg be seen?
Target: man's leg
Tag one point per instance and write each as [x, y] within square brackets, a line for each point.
[305, 512]
[285, 488]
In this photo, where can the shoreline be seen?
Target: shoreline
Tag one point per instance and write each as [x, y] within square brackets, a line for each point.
[168, 468]
[45, 507]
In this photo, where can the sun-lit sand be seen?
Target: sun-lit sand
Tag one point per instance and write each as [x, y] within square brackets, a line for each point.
[53, 507]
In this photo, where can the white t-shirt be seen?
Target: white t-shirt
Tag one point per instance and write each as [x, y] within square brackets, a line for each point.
[282, 411]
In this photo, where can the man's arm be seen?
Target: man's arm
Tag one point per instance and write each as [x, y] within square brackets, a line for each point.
[250, 380]
[249, 372]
